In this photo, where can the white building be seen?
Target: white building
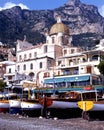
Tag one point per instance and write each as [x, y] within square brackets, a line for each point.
[57, 57]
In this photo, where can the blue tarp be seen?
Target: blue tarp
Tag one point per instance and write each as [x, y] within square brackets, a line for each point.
[67, 79]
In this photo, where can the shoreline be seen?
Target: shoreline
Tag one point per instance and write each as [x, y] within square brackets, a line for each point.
[18, 122]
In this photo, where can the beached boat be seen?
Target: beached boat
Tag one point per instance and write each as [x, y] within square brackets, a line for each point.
[4, 102]
[69, 99]
[92, 107]
[15, 106]
[30, 107]
[4, 106]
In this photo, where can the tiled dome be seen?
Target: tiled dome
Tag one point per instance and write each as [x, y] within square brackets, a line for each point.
[59, 27]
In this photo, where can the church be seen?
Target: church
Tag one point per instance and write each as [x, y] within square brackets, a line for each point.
[56, 62]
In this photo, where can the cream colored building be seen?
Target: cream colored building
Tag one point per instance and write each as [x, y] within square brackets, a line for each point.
[57, 61]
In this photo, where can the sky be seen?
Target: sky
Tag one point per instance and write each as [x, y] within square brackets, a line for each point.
[47, 4]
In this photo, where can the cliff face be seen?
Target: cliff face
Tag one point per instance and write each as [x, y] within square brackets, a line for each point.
[82, 18]
[84, 22]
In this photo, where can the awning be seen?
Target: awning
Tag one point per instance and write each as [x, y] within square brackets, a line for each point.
[66, 79]
[27, 84]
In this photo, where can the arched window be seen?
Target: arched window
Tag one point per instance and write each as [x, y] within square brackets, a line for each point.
[24, 67]
[31, 66]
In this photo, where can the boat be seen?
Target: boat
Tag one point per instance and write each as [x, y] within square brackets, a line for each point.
[31, 107]
[92, 107]
[15, 106]
[4, 102]
[69, 99]
[4, 106]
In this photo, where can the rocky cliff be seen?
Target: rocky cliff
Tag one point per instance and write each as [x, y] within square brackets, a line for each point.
[86, 25]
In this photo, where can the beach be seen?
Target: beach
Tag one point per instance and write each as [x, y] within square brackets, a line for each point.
[18, 122]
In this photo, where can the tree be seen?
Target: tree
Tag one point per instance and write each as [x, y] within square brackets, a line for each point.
[101, 66]
[2, 85]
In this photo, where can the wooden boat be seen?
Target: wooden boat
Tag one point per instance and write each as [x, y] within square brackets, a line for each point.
[15, 106]
[92, 107]
[95, 102]
[4, 102]
[69, 99]
[30, 107]
[67, 102]
[4, 106]
[30, 104]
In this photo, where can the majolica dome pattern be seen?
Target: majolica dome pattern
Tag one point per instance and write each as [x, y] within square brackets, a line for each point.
[59, 27]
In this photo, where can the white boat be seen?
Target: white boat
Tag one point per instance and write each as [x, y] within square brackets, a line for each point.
[31, 107]
[4, 102]
[15, 106]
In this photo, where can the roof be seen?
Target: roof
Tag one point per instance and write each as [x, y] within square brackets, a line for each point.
[59, 27]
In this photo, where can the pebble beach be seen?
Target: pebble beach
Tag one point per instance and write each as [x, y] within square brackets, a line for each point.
[18, 122]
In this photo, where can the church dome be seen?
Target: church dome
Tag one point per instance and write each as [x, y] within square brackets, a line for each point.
[59, 27]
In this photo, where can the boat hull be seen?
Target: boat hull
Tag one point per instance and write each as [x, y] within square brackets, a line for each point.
[4, 106]
[31, 108]
[98, 106]
[63, 105]
[30, 105]
[15, 106]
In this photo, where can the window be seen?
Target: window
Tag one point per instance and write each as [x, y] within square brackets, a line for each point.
[62, 39]
[65, 52]
[53, 40]
[24, 67]
[59, 63]
[40, 64]
[31, 66]
[95, 57]
[18, 67]
[20, 58]
[72, 51]
[35, 54]
[75, 71]
[66, 72]
[29, 55]
[25, 57]
[9, 70]
[45, 49]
